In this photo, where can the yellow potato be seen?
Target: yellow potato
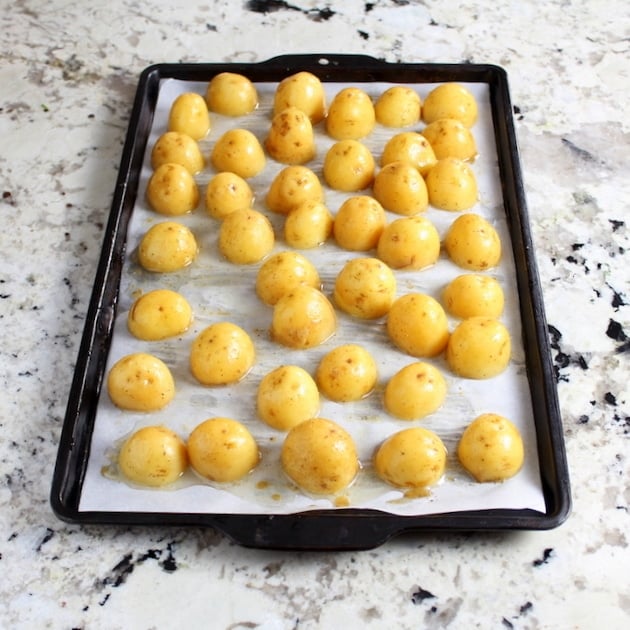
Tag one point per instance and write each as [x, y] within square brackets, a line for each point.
[320, 456]
[346, 373]
[451, 138]
[452, 185]
[398, 106]
[415, 391]
[348, 166]
[167, 247]
[365, 288]
[231, 94]
[410, 147]
[281, 273]
[291, 139]
[222, 353]
[159, 314]
[472, 295]
[227, 192]
[308, 226]
[359, 223]
[189, 115]
[350, 115]
[287, 396]
[471, 242]
[302, 90]
[303, 318]
[291, 187]
[153, 456]
[222, 450]
[418, 325]
[238, 151]
[409, 243]
[479, 348]
[177, 148]
[140, 382]
[400, 188]
[491, 448]
[246, 236]
[172, 190]
[413, 458]
[450, 100]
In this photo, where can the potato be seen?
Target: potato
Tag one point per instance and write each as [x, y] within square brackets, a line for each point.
[348, 166]
[159, 314]
[471, 242]
[417, 324]
[172, 190]
[189, 115]
[287, 396]
[409, 243]
[291, 187]
[140, 382]
[302, 90]
[365, 288]
[231, 94]
[167, 247]
[473, 295]
[222, 450]
[246, 236]
[303, 318]
[451, 138]
[350, 115]
[452, 185]
[346, 373]
[491, 448]
[400, 188]
[398, 106]
[221, 353]
[308, 226]
[281, 273]
[450, 100]
[238, 151]
[177, 148]
[320, 456]
[291, 139]
[415, 391]
[359, 223]
[153, 456]
[413, 458]
[227, 192]
[410, 147]
[479, 348]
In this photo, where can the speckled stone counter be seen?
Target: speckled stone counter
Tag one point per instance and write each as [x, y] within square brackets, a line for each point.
[68, 76]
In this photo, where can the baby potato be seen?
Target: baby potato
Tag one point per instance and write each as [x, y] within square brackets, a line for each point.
[410, 147]
[140, 382]
[189, 115]
[222, 450]
[246, 237]
[167, 247]
[287, 396]
[348, 166]
[479, 348]
[471, 242]
[474, 295]
[291, 139]
[227, 192]
[451, 138]
[320, 456]
[231, 94]
[176, 147]
[415, 391]
[346, 373]
[308, 226]
[291, 187]
[302, 90]
[303, 318]
[409, 243]
[153, 456]
[400, 188]
[365, 288]
[398, 106]
[159, 314]
[281, 273]
[350, 115]
[417, 324]
[452, 185]
[491, 448]
[238, 151]
[413, 458]
[172, 190]
[450, 100]
[221, 353]
[359, 223]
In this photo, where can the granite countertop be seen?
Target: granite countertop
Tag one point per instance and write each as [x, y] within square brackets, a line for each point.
[68, 78]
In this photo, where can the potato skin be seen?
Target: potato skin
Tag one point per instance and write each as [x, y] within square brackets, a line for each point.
[246, 237]
[452, 185]
[359, 223]
[189, 115]
[291, 187]
[410, 147]
[159, 314]
[349, 166]
[281, 273]
[450, 138]
[172, 190]
[415, 391]
[350, 115]
[450, 100]
[167, 247]
[346, 373]
[238, 151]
[302, 90]
[398, 106]
[291, 139]
[227, 192]
[409, 243]
[309, 225]
[472, 243]
[231, 94]
[400, 188]
[178, 148]
[474, 295]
